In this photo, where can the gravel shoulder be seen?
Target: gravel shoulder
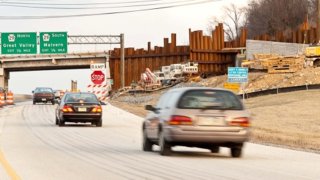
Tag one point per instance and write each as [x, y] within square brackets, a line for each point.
[289, 119]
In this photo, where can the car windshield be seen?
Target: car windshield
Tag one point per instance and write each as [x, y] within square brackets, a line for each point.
[43, 90]
[209, 99]
[81, 98]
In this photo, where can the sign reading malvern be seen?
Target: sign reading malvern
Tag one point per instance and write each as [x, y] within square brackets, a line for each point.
[53, 42]
[19, 43]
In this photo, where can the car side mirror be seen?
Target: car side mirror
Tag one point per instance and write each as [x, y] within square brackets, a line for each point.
[151, 108]
[102, 103]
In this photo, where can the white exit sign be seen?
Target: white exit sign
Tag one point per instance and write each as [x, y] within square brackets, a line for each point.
[98, 66]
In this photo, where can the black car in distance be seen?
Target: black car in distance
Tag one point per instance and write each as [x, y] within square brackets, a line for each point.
[79, 107]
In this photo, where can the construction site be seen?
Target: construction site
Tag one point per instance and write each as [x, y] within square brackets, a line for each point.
[287, 65]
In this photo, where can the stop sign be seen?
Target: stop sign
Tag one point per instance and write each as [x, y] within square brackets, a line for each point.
[97, 77]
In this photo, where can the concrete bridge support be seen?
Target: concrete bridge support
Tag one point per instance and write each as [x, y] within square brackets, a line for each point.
[4, 78]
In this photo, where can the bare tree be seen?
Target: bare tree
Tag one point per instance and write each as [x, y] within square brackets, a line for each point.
[233, 20]
[313, 13]
[271, 16]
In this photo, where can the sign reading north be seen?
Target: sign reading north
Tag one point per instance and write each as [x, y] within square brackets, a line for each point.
[19, 43]
[53, 43]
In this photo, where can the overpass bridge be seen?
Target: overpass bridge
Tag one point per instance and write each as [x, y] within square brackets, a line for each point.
[47, 62]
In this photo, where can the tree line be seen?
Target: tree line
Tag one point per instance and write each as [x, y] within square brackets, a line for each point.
[266, 17]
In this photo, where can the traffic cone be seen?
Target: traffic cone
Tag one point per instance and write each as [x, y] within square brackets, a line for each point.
[9, 100]
[2, 100]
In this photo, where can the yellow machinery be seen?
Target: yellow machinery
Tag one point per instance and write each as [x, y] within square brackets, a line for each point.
[312, 54]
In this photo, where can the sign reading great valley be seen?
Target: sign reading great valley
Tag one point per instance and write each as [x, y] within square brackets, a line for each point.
[19, 43]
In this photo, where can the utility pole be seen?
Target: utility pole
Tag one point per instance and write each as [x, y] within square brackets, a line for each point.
[122, 68]
[318, 22]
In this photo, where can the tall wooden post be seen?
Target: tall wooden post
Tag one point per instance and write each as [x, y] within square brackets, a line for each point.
[318, 22]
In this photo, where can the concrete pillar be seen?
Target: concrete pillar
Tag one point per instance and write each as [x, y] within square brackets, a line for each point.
[4, 78]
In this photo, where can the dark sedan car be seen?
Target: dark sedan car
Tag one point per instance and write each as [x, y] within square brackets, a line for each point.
[43, 94]
[79, 107]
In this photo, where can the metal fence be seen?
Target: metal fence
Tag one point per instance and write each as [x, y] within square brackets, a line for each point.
[280, 90]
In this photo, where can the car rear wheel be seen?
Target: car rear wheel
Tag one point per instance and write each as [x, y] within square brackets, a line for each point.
[34, 102]
[165, 147]
[236, 152]
[57, 120]
[215, 149]
[61, 122]
[52, 102]
[146, 143]
[99, 123]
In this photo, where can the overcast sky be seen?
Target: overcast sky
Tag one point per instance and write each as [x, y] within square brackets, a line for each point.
[138, 27]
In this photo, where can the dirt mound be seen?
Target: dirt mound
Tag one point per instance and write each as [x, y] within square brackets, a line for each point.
[261, 81]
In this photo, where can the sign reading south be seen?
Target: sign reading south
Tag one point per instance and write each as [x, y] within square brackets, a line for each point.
[19, 43]
[53, 42]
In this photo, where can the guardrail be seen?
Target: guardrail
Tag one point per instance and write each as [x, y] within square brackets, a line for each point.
[279, 90]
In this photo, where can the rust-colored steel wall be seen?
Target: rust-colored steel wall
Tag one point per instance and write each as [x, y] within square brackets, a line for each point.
[208, 51]
[137, 60]
[299, 36]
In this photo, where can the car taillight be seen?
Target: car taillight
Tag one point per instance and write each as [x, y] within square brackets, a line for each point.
[243, 122]
[67, 109]
[97, 109]
[180, 120]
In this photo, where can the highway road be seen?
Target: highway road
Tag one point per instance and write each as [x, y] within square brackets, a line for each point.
[32, 147]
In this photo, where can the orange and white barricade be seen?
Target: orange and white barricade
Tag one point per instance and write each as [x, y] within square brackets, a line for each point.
[101, 91]
[9, 100]
[2, 100]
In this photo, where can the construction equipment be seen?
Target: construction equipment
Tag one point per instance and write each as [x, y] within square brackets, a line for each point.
[190, 68]
[74, 85]
[175, 70]
[312, 54]
[167, 77]
[149, 80]
[166, 71]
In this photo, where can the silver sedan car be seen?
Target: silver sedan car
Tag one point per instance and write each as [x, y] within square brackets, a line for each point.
[197, 117]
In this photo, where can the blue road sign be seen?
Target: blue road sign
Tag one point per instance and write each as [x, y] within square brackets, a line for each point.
[237, 75]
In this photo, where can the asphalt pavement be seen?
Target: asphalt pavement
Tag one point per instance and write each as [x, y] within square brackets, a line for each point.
[32, 147]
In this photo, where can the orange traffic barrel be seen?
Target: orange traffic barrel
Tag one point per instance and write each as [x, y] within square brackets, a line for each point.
[2, 100]
[9, 100]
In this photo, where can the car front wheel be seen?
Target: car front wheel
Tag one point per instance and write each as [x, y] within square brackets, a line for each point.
[165, 147]
[236, 152]
[146, 143]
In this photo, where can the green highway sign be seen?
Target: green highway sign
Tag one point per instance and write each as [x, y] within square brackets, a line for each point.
[53, 43]
[19, 43]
